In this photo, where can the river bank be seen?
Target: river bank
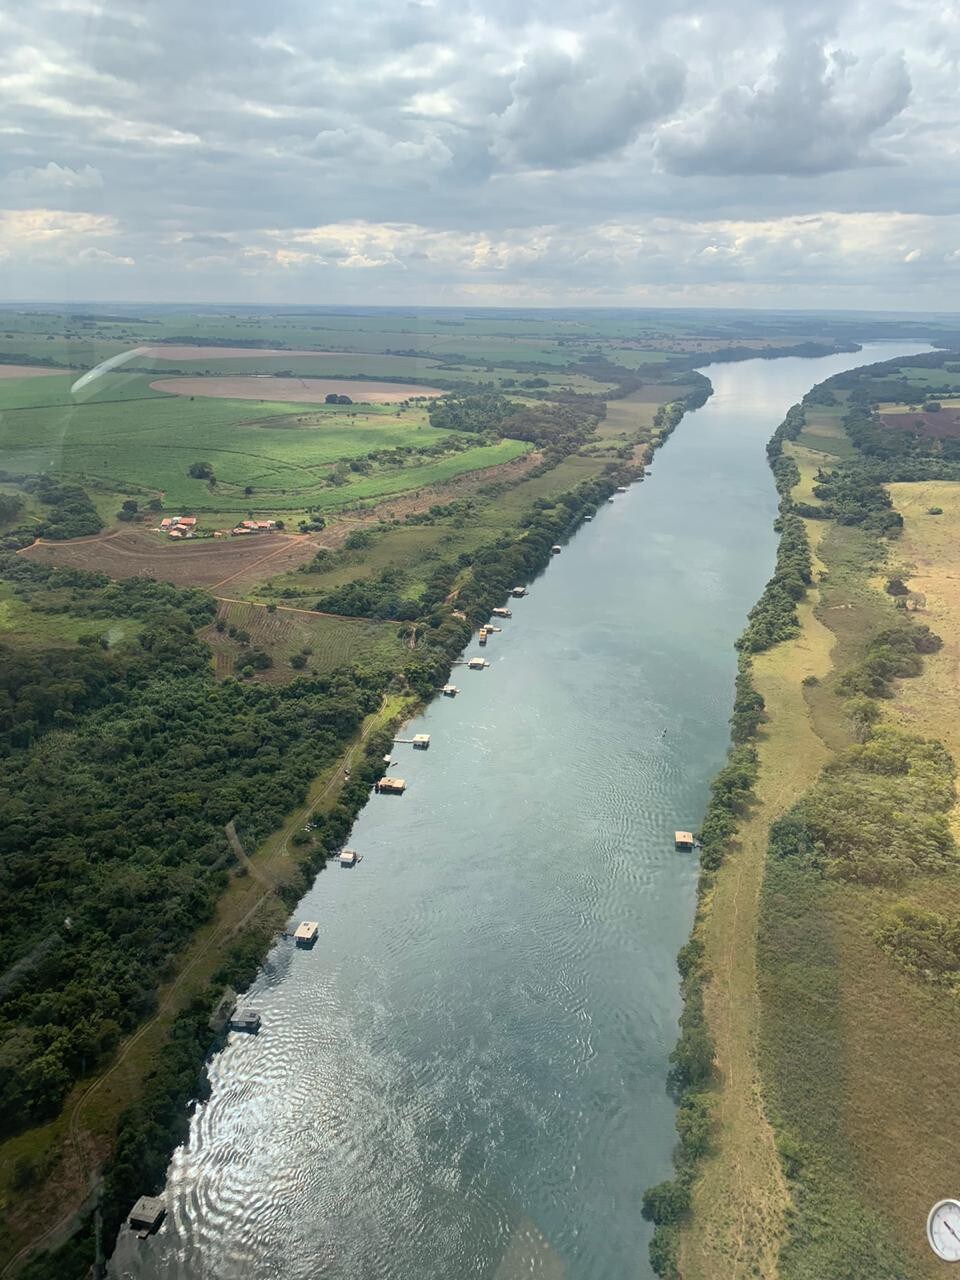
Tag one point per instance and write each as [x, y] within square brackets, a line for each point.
[479, 1041]
[770, 1198]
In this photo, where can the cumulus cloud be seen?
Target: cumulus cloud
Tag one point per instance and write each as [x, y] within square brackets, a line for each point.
[812, 112]
[55, 177]
[447, 150]
[567, 108]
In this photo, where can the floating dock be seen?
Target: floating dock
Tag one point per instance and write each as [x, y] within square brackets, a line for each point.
[482, 637]
[391, 786]
[306, 933]
[501, 613]
[421, 741]
[349, 857]
[246, 1020]
[518, 592]
[556, 549]
[448, 691]
[477, 664]
[683, 840]
[621, 488]
[146, 1215]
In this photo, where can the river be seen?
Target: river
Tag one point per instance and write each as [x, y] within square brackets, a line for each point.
[465, 1076]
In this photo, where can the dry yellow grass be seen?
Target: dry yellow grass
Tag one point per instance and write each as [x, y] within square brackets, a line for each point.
[741, 1201]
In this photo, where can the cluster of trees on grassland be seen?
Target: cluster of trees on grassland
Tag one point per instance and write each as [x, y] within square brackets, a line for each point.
[559, 427]
[111, 830]
[493, 569]
[82, 593]
[473, 413]
[71, 513]
[877, 814]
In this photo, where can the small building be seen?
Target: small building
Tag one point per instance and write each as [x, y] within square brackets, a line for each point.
[147, 1214]
[348, 858]
[449, 690]
[477, 664]
[518, 592]
[391, 786]
[556, 549]
[683, 839]
[306, 933]
[501, 613]
[421, 741]
[246, 1020]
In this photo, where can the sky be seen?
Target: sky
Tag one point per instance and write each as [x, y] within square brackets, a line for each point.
[577, 152]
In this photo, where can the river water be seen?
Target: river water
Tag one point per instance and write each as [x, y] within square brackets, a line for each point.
[465, 1076]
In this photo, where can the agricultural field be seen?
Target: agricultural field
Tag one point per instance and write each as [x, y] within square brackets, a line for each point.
[292, 390]
[298, 642]
[128, 439]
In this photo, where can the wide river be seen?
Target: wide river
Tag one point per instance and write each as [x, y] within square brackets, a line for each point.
[465, 1076]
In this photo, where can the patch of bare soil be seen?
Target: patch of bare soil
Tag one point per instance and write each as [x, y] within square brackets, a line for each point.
[942, 425]
[206, 562]
[29, 371]
[292, 390]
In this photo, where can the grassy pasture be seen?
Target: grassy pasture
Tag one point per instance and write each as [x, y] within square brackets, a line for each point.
[27, 628]
[824, 432]
[332, 642]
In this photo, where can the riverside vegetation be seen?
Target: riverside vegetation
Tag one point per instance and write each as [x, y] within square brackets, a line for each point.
[862, 870]
[126, 758]
[119, 733]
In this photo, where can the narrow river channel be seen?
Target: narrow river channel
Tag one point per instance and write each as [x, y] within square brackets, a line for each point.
[465, 1076]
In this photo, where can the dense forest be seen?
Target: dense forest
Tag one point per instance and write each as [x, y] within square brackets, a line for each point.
[121, 768]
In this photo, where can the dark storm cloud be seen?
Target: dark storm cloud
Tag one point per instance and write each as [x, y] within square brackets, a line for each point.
[597, 149]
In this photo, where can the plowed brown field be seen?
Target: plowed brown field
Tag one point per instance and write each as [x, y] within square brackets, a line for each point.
[293, 390]
[207, 562]
[29, 371]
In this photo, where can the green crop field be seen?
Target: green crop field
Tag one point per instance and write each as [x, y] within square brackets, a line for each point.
[145, 442]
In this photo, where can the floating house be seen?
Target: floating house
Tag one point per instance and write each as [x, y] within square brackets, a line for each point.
[391, 786]
[421, 741]
[683, 839]
[477, 664]
[501, 613]
[306, 933]
[146, 1215]
[246, 1020]
[518, 592]
[348, 858]
[449, 690]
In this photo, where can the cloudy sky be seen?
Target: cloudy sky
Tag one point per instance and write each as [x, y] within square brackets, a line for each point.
[510, 152]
